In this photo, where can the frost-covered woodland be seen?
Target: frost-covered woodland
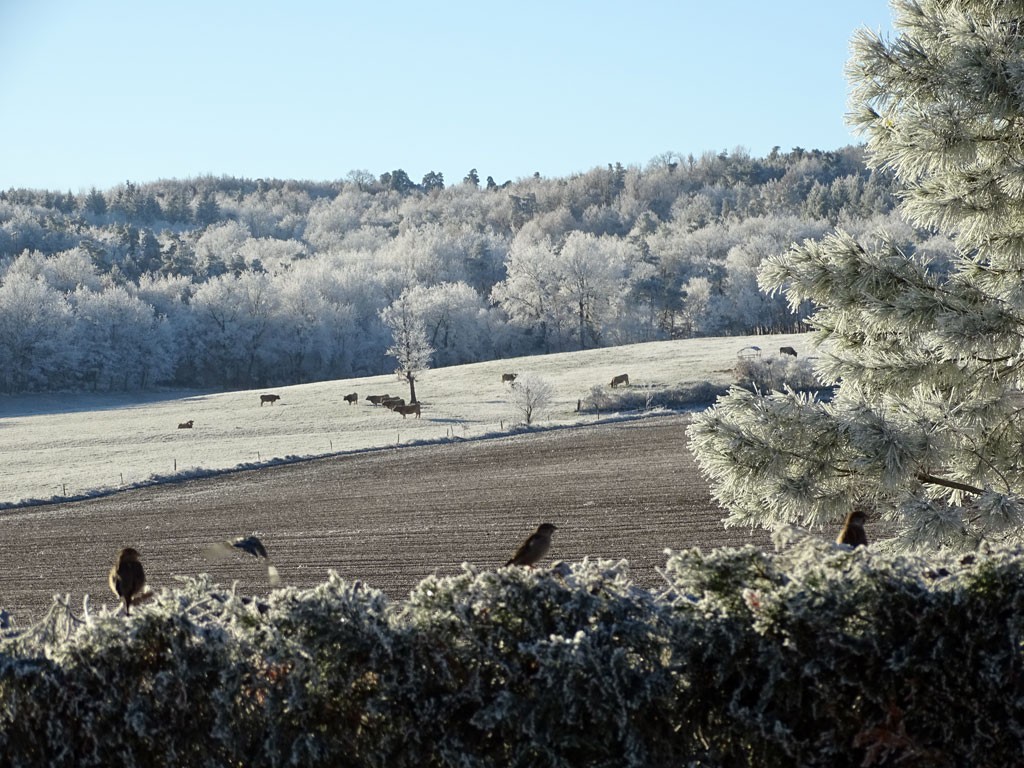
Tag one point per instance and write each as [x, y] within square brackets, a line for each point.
[236, 283]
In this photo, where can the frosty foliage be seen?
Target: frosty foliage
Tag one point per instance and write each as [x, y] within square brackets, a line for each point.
[411, 347]
[604, 399]
[815, 655]
[530, 395]
[849, 657]
[925, 427]
[766, 374]
[760, 374]
[612, 256]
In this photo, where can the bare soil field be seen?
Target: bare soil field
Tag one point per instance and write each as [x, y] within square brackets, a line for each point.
[388, 517]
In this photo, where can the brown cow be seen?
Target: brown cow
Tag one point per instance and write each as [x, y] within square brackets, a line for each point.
[787, 351]
[508, 378]
[186, 424]
[405, 410]
[269, 399]
[352, 399]
[392, 402]
[622, 379]
[377, 399]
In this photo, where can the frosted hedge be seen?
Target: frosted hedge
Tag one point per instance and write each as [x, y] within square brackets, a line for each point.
[810, 656]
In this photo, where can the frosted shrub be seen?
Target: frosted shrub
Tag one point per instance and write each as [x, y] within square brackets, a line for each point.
[850, 658]
[168, 687]
[530, 396]
[815, 655]
[535, 669]
[602, 399]
[775, 374]
[599, 399]
[325, 658]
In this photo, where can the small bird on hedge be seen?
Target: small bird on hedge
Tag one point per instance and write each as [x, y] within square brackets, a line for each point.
[853, 530]
[127, 578]
[535, 547]
[250, 545]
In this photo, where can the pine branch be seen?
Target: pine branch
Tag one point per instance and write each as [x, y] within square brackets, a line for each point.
[925, 477]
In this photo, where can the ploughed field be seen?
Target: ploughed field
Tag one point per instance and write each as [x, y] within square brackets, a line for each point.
[627, 489]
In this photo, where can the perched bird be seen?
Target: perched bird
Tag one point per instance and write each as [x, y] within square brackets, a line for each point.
[853, 530]
[250, 545]
[535, 547]
[127, 579]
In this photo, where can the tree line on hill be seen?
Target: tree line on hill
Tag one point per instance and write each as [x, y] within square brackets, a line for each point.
[227, 282]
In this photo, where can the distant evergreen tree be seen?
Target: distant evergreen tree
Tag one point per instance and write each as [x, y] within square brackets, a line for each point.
[178, 257]
[127, 201]
[149, 251]
[398, 181]
[176, 208]
[433, 181]
[207, 211]
[95, 202]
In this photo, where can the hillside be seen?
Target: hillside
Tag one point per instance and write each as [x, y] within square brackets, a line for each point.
[75, 446]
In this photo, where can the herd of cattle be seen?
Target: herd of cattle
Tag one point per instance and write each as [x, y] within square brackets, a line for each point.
[398, 404]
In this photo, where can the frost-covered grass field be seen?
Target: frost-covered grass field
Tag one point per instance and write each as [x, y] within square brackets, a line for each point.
[55, 447]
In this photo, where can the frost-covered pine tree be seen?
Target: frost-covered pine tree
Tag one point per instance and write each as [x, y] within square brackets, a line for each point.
[927, 427]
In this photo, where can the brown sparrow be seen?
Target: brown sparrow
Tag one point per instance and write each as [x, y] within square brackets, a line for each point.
[535, 547]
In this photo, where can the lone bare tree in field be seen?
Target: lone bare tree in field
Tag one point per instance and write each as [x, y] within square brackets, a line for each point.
[531, 395]
[411, 347]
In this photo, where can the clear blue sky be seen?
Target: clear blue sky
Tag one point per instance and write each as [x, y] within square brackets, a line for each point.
[96, 92]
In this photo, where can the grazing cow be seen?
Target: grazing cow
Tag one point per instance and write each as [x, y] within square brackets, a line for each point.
[377, 399]
[186, 424]
[787, 351]
[392, 402]
[622, 379]
[405, 410]
[269, 399]
[508, 378]
[352, 399]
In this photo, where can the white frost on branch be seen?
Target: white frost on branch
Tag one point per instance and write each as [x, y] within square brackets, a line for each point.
[925, 427]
